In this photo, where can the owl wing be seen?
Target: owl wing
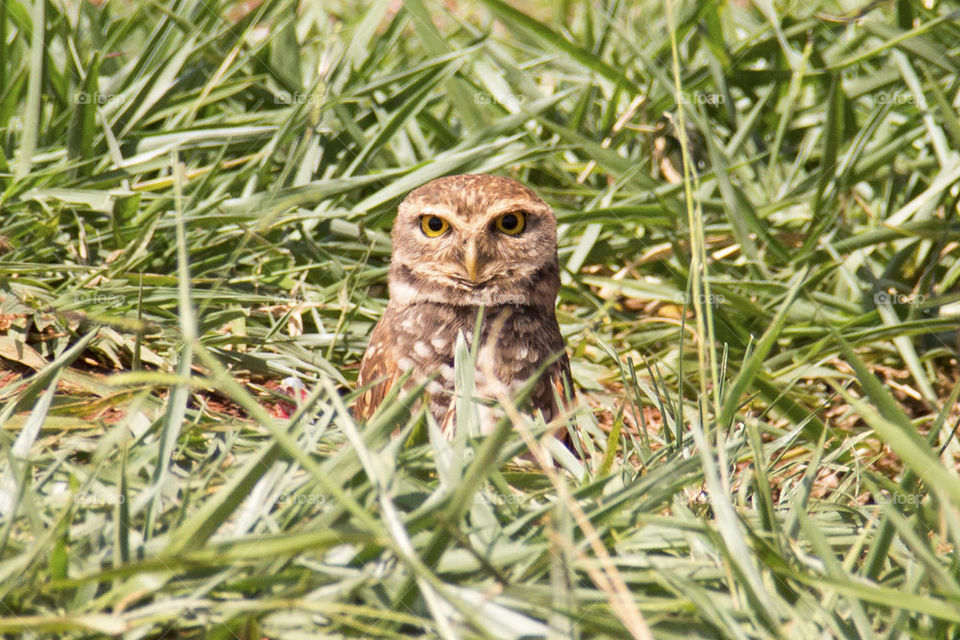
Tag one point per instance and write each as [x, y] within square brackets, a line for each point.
[378, 369]
[557, 382]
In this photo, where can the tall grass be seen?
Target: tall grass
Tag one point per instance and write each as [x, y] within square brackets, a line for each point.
[759, 245]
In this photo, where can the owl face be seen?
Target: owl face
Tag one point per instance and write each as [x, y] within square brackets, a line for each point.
[469, 240]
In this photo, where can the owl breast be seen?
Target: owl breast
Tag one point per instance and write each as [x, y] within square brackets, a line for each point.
[515, 341]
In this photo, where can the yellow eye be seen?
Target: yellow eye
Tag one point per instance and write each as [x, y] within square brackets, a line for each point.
[511, 223]
[433, 226]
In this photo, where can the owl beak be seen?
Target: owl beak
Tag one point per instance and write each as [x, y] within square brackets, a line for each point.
[470, 261]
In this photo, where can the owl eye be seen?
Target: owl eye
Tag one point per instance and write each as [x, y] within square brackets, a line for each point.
[511, 223]
[433, 226]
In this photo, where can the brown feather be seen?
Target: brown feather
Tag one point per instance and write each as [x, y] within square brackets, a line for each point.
[378, 370]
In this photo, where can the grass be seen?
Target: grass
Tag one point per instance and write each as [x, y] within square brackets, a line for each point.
[759, 243]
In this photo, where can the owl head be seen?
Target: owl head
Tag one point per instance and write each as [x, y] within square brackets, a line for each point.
[472, 240]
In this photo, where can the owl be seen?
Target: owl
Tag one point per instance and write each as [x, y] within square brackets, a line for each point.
[465, 245]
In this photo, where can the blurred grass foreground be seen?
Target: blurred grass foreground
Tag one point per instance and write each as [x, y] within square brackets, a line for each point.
[760, 248]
